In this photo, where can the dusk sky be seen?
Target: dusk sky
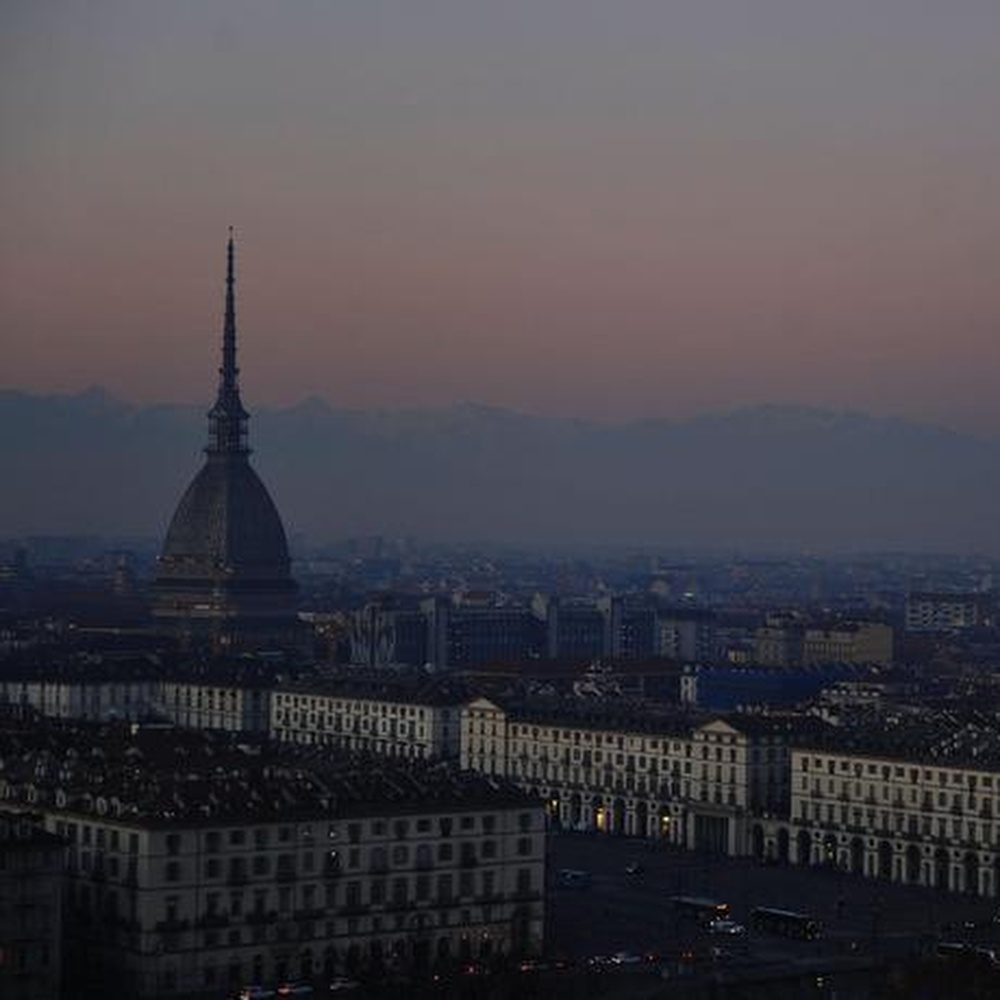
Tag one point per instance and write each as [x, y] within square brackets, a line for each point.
[611, 209]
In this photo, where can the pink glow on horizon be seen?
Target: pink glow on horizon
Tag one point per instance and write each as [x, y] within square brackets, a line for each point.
[650, 215]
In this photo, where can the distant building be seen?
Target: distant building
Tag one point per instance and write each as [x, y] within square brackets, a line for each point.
[224, 571]
[574, 629]
[778, 642]
[687, 635]
[389, 632]
[389, 719]
[629, 627]
[848, 642]
[928, 611]
[230, 697]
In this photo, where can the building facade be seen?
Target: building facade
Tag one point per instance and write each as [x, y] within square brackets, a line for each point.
[189, 882]
[423, 724]
[694, 784]
[929, 823]
[32, 869]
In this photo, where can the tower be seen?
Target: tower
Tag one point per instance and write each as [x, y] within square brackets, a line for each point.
[224, 573]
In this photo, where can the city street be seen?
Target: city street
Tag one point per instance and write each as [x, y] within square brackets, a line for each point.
[616, 912]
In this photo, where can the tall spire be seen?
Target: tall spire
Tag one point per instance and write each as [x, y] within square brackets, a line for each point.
[227, 420]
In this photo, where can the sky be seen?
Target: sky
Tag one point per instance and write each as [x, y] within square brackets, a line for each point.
[615, 210]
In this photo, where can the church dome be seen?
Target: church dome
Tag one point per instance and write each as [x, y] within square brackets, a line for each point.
[226, 520]
[224, 569]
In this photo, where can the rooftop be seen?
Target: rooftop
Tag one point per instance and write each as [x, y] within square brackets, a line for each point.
[181, 777]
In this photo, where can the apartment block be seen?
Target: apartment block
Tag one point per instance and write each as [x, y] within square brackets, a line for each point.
[690, 781]
[382, 717]
[203, 864]
[31, 884]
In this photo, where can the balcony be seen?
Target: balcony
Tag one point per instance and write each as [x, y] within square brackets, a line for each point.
[285, 875]
[261, 917]
[213, 920]
[171, 926]
[525, 896]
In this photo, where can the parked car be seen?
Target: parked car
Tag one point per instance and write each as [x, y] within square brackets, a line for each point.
[341, 984]
[573, 878]
[255, 992]
[295, 990]
[728, 927]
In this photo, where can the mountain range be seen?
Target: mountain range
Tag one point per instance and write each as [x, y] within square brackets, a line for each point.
[770, 478]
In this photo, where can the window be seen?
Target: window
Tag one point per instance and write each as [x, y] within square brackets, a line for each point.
[524, 846]
[353, 894]
[445, 852]
[444, 888]
[399, 891]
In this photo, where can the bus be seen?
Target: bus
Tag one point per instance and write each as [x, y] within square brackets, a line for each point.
[786, 923]
[965, 952]
[699, 908]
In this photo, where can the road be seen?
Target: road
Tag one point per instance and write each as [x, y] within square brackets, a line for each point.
[622, 913]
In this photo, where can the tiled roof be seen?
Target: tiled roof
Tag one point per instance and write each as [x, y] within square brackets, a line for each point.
[179, 777]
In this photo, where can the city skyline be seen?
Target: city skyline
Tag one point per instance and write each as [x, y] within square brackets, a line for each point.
[558, 209]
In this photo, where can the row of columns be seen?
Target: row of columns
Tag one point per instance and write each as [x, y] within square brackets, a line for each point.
[952, 869]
